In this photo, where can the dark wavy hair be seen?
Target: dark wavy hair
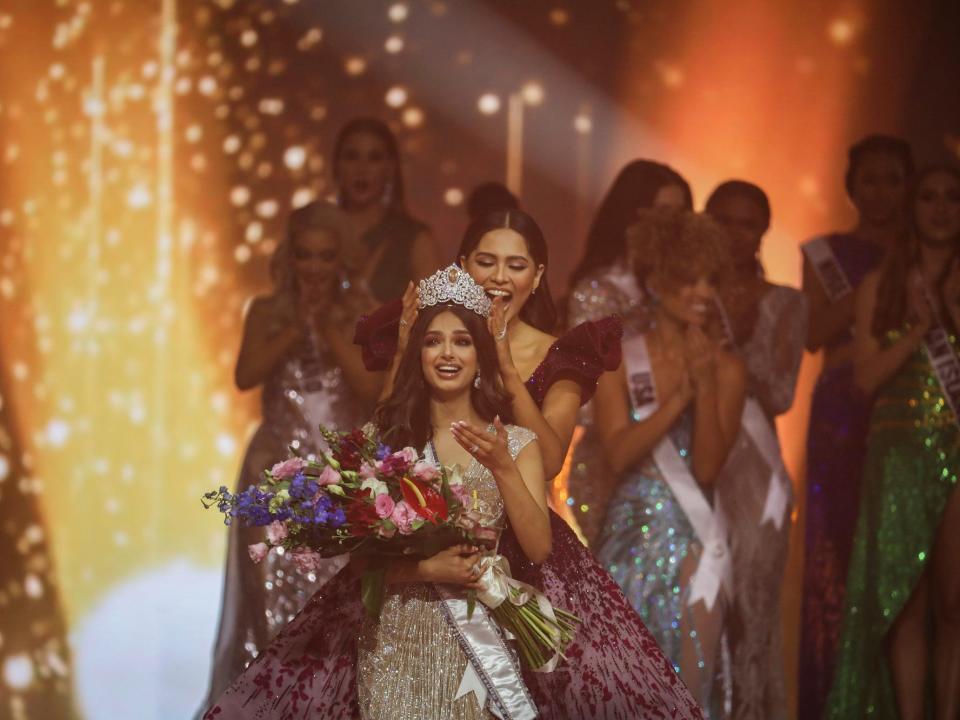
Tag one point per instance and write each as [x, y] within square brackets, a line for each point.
[380, 130]
[404, 417]
[877, 145]
[890, 312]
[635, 188]
[539, 310]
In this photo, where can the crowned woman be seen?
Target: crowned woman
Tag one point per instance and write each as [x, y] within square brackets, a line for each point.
[422, 659]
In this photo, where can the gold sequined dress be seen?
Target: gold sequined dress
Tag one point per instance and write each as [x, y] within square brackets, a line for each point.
[410, 663]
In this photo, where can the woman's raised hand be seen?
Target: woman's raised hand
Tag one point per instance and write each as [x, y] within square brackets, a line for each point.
[701, 355]
[408, 316]
[497, 324]
[457, 565]
[490, 449]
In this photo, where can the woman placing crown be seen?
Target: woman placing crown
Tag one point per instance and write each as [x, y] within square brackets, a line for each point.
[333, 661]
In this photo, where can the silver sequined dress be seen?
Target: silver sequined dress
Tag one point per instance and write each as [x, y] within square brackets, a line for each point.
[613, 290]
[307, 390]
[410, 663]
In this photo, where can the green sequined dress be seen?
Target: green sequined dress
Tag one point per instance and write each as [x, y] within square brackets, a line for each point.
[913, 457]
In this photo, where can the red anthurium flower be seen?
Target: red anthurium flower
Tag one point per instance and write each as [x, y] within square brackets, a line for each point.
[425, 500]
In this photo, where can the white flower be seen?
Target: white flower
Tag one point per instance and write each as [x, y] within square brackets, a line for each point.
[376, 487]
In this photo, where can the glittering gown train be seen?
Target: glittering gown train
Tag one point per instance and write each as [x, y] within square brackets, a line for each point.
[613, 670]
[258, 600]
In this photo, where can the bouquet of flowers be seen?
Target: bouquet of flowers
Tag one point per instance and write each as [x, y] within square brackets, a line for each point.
[363, 498]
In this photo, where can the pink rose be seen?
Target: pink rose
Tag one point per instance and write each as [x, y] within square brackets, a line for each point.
[428, 472]
[408, 454]
[461, 493]
[276, 532]
[367, 471]
[403, 516]
[384, 505]
[288, 468]
[329, 476]
[306, 560]
[258, 552]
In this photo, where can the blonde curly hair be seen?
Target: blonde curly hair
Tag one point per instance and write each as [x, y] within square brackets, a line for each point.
[676, 246]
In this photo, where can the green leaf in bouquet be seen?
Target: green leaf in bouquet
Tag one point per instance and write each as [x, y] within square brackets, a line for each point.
[471, 603]
[373, 587]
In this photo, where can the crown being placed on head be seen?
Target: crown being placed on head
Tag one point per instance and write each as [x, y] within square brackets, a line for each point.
[453, 285]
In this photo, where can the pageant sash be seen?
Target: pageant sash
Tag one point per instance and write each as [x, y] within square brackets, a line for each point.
[714, 570]
[761, 433]
[828, 269]
[492, 671]
[943, 358]
[754, 421]
[946, 365]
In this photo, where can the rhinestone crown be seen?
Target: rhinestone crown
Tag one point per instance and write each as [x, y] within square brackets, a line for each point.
[453, 285]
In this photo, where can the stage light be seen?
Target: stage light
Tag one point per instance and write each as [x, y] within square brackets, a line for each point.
[583, 124]
[396, 96]
[398, 12]
[355, 65]
[393, 44]
[533, 94]
[488, 104]
[453, 196]
[413, 117]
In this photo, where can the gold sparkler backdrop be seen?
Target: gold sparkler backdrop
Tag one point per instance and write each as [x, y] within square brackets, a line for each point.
[150, 151]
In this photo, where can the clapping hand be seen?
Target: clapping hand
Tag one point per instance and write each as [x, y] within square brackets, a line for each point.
[497, 324]
[489, 449]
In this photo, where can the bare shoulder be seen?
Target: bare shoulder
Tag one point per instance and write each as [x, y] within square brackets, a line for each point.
[730, 366]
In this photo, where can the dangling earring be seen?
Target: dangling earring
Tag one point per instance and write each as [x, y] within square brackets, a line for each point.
[476, 381]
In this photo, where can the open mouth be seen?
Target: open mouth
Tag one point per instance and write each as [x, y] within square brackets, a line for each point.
[448, 372]
[504, 295]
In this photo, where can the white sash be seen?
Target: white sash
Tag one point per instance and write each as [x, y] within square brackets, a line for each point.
[943, 359]
[761, 433]
[834, 280]
[714, 568]
[492, 671]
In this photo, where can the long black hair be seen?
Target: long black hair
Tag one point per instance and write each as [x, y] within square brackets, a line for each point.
[635, 188]
[890, 312]
[539, 310]
[380, 130]
[404, 416]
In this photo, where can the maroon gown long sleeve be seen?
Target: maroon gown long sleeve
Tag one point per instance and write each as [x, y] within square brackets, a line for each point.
[613, 669]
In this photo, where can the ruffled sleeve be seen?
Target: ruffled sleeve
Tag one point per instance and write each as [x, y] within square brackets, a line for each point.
[583, 354]
[376, 334]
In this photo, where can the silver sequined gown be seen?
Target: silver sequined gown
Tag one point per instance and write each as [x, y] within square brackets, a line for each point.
[609, 291]
[772, 356]
[410, 663]
[307, 390]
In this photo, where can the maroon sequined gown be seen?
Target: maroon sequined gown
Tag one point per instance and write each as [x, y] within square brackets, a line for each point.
[613, 670]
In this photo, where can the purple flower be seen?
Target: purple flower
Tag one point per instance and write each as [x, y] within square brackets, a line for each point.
[382, 451]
